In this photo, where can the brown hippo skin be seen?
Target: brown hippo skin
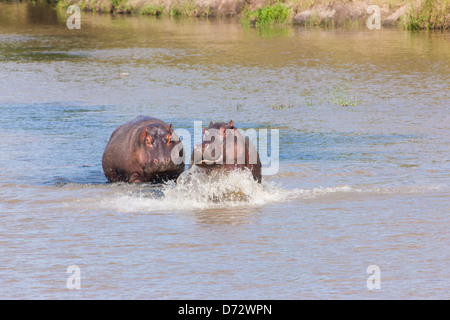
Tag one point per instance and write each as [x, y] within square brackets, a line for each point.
[141, 151]
[213, 153]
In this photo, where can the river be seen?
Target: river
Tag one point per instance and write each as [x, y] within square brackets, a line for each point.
[364, 162]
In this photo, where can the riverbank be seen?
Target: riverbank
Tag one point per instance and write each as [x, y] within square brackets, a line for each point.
[408, 14]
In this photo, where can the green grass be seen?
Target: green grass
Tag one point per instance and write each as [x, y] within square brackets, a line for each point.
[431, 14]
[177, 9]
[269, 16]
[340, 96]
[152, 9]
[281, 104]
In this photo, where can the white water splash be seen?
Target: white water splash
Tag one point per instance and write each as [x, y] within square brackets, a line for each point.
[195, 190]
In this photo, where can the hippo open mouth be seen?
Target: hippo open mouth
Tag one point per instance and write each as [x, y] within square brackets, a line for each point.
[223, 146]
[207, 163]
[164, 176]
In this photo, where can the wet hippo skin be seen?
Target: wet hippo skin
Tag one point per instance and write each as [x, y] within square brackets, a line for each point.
[142, 151]
[224, 147]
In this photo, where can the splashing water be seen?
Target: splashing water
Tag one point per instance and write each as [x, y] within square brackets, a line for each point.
[196, 190]
[222, 188]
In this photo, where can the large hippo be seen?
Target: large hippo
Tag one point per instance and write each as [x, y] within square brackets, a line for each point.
[225, 147]
[143, 150]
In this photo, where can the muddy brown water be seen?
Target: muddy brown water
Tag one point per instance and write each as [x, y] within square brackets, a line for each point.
[363, 179]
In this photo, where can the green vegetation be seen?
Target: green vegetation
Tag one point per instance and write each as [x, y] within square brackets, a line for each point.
[270, 15]
[281, 104]
[152, 9]
[340, 96]
[421, 14]
[121, 6]
[431, 14]
[175, 9]
[187, 8]
[63, 4]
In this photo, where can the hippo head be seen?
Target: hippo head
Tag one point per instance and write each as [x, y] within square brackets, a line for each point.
[160, 152]
[224, 147]
[218, 146]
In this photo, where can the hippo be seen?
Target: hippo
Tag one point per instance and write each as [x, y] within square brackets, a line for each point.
[225, 147]
[143, 150]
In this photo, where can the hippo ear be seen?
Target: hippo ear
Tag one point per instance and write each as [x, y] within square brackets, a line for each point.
[223, 132]
[145, 138]
[143, 134]
[170, 128]
[148, 141]
[211, 124]
[169, 136]
[231, 124]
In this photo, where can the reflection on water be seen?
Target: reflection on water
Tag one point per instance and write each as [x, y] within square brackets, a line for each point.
[364, 162]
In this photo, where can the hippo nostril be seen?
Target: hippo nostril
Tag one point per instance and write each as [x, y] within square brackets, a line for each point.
[167, 159]
[155, 160]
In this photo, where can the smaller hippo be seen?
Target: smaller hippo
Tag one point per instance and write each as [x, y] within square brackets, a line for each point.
[225, 147]
[142, 151]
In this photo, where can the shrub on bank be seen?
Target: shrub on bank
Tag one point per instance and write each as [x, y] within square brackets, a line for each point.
[270, 15]
[415, 14]
[430, 14]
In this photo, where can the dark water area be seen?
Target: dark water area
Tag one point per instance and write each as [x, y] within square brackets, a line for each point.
[363, 176]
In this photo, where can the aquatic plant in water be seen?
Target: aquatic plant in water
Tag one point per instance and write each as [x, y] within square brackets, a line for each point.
[281, 104]
[340, 96]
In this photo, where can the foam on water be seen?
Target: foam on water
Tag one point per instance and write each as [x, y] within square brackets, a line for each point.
[195, 190]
